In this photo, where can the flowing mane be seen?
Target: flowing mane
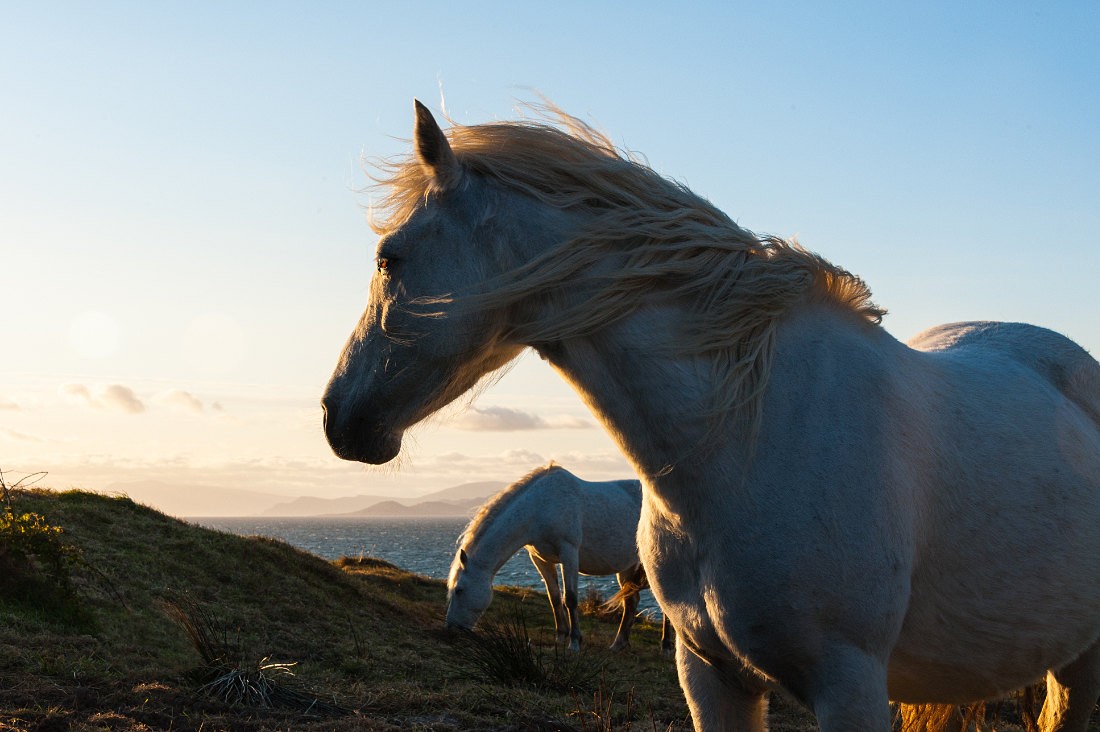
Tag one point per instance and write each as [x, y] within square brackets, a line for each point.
[496, 505]
[672, 244]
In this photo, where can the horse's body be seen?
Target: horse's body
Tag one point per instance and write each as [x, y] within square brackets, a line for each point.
[587, 528]
[825, 509]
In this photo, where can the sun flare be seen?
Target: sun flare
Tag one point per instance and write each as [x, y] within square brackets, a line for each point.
[94, 334]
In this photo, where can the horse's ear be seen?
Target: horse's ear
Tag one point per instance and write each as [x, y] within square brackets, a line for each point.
[462, 558]
[432, 149]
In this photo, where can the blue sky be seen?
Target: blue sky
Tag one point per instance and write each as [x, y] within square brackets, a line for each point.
[181, 212]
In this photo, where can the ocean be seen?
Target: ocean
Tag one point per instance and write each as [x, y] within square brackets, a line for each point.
[424, 546]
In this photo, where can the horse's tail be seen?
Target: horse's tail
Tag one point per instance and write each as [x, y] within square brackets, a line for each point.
[952, 718]
[618, 600]
[940, 717]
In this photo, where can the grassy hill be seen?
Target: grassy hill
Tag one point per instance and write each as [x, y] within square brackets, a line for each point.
[171, 626]
[116, 651]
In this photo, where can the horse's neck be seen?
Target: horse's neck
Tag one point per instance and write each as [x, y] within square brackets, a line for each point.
[655, 404]
[652, 402]
[505, 534]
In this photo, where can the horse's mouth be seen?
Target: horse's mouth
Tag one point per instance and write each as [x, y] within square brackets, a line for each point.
[374, 449]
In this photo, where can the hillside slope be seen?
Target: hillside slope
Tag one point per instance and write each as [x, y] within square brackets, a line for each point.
[366, 638]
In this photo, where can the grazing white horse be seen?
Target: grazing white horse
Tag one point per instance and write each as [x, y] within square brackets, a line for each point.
[825, 509]
[588, 528]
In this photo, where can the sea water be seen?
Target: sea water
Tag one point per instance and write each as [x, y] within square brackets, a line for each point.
[422, 545]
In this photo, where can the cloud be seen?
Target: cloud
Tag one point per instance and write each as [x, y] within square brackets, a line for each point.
[505, 419]
[9, 405]
[568, 422]
[184, 401]
[21, 436]
[115, 397]
[78, 392]
[322, 476]
[121, 398]
[455, 467]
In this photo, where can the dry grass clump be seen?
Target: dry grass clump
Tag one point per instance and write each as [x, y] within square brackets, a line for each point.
[226, 675]
[503, 651]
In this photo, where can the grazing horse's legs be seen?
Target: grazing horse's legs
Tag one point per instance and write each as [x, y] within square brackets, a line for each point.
[549, 572]
[632, 578]
[720, 698]
[668, 636]
[570, 568]
[1071, 694]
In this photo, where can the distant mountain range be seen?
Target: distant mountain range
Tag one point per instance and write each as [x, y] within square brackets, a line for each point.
[459, 500]
[181, 499]
[422, 509]
[178, 499]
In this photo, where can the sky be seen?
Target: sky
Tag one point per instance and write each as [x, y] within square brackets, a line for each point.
[183, 237]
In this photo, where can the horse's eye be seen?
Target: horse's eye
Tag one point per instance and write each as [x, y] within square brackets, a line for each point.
[382, 264]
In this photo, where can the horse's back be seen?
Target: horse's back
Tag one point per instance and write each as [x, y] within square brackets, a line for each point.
[611, 513]
[598, 518]
[1058, 360]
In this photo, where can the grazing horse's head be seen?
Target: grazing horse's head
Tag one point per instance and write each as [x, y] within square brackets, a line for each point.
[469, 592]
[417, 347]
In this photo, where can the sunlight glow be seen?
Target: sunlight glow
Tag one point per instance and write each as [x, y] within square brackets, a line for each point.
[95, 334]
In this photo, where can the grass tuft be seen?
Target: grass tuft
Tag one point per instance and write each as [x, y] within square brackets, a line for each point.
[227, 677]
[504, 653]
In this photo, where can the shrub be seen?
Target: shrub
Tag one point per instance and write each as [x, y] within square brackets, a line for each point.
[28, 543]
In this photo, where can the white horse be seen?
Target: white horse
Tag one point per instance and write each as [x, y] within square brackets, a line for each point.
[825, 509]
[587, 528]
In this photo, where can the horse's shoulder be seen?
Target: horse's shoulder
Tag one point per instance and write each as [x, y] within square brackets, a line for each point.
[631, 487]
[552, 479]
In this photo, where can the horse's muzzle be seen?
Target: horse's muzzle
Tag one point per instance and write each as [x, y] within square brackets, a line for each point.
[352, 437]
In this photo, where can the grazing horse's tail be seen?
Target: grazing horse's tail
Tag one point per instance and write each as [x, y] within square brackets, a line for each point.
[940, 717]
[628, 589]
[952, 718]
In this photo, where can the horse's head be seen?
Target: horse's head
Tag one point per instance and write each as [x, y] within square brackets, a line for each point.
[418, 346]
[469, 592]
